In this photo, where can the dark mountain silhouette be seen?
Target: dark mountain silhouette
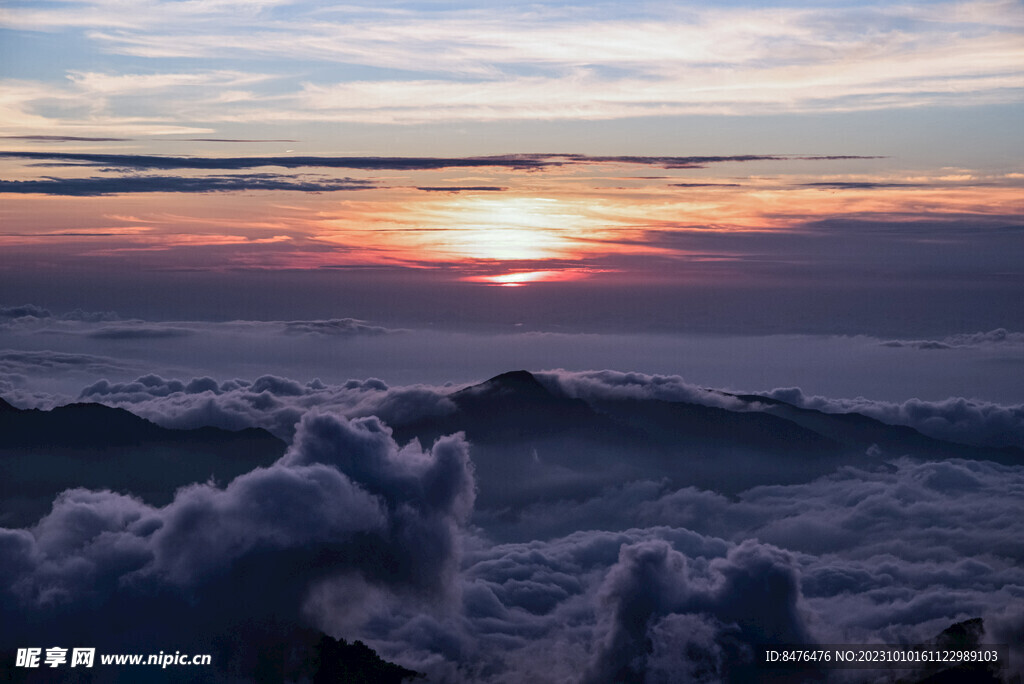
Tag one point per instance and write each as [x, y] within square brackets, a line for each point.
[855, 431]
[98, 447]
[90, 445]
[961, 636]
[531, 443]
[298, 654]
[340, 661]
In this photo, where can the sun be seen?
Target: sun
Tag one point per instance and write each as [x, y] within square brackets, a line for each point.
[509, 229]
[520, 278]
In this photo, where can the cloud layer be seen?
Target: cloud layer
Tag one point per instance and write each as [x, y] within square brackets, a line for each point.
[91, 187]
[50, 359]
[685, 588]
[957, 419]
[464, 63]
[521, 161]
[365, 538]
[344, 509]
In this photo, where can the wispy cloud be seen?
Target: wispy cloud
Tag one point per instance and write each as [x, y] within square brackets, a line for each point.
[61, 138]
[857, 185]
[131, 184]
[102, 84]
[238, 140]
[510, 161]
[407, 66]
[462, 188]
[705, 185]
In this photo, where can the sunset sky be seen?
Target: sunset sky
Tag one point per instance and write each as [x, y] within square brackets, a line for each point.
[751, 168]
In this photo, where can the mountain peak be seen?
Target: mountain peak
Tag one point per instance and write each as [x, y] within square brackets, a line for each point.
[6, 407]
[519, 383]
[516, 378]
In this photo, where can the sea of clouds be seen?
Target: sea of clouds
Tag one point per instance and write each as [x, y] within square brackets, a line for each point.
[361, 537]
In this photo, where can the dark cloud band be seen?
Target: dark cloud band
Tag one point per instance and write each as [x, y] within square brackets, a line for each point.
[511, 161]
[94, 186]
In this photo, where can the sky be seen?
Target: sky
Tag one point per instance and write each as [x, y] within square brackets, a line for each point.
[402, 161]
[834, 170]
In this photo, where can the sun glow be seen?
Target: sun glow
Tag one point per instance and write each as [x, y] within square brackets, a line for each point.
[520, 278]
[509, 229]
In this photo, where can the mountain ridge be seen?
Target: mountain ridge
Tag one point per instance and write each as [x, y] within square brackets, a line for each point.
[528, 443]
[531, 443]
[100, 447]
